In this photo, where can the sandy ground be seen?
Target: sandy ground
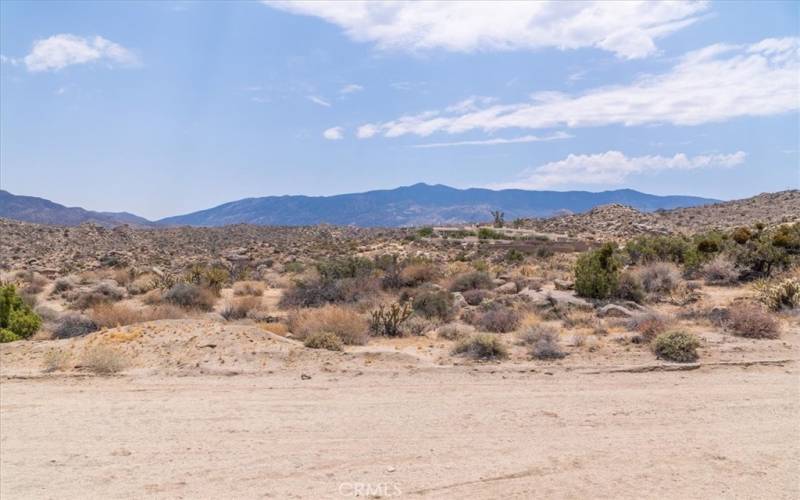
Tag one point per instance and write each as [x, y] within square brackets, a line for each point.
[448, 432]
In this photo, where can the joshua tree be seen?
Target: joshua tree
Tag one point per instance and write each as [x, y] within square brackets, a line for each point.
[499, 218]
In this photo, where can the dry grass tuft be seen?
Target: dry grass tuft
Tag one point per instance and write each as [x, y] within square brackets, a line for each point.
[103, 360]
[348, 325]
[113, 315]
[248, 288]
[57, 360]
[752, 321]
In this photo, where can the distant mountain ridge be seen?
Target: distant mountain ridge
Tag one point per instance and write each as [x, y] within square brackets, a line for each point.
[42, 211]
[420, 204]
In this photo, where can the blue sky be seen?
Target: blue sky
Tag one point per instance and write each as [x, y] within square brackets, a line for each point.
[163, 108]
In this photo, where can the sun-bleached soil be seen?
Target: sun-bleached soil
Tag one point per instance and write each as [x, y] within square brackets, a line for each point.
[437, 432]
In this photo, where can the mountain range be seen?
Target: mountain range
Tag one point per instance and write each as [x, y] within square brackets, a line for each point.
[420, 204]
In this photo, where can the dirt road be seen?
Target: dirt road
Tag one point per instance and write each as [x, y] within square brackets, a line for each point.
[448, 433]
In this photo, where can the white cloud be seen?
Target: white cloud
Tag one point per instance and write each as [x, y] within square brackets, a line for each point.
[628, 29]
[60, 51]
[492, 142]
[714, 84]
[366, 131]
[319, 100]
[613, 167]
[333, 133]
[351, 88]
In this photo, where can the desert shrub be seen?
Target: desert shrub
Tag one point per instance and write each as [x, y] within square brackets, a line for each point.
[514, 256]
[418, 273]
[417, 326]
[482, 346]
[768, 251]
[63, 284]
[318, 292]
[113, 315]
[648, 325]
[471, 281]
[190, 296]
[720, 271]
[454, 331]
[141, 284]
[103, 360]
[485, 233]
[16, 317]
[475, 297]
[323, 340]
[676, 346]
[388, 321]
[7, 335]
[434, 304]
[660, 278]
[251, 288]
[741, 235]
[349, 267]
[212, 278]
[240, 307]
[104, 291]
[543, 341]
[345, 323]
[787, 237]
[425, 232]
[752, 321]
[629, 287]
[784, 294]
[597, 273]
[647, 249]
[498, 319]
[73, 325]
[56, 360]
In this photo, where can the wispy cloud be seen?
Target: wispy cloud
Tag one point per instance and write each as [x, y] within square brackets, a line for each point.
[613, 168]
[713, 84]
[628, 29]
[351, 88]
[333, 133]
[59, 51]
[492, 142]
[318, 100]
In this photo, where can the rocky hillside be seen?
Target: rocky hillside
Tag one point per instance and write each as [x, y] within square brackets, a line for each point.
[619, 221]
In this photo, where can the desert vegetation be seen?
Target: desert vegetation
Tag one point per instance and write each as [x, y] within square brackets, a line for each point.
[477, 296]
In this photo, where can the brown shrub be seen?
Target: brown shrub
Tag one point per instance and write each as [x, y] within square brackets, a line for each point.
[720, 271]
[252, 288]
[476, 297]
[240, 307]
[323, 340]
[56, 360]
[103, 360]
[471, 281]
[454, 331]
[648, 325]
[482, 346]
[660, 278]
[752, 321]
[417, 274]
[190, 296]
[104, 291]
[347, 324]
[113, 315]
[499, 319]
[543, 341]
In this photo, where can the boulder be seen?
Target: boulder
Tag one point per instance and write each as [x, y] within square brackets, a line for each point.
[563, 284]
[614, 311]
[508, 288]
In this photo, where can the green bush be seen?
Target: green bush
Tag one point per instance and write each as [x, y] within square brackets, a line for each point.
[425, 232]
[486, 233]
[434, 304]
[349, 267]
[17, 319]
[597, 273]
[780, 295]
[676, 346]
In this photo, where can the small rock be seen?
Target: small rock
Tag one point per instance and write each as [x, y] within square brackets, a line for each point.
[303, 376]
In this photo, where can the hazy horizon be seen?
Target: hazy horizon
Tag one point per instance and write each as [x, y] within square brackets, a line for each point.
[214, 102]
